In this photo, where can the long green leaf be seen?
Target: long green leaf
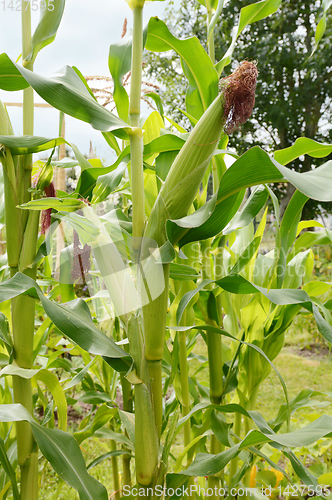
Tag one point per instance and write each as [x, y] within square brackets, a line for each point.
[249, 211]
[27, 144]
[61, 450]
[253, 168]
[119, 63]
[7, 467]
[206, 222]
[215, 18]
[64, 91]
[257, 167]
[103, 415]
[321, 26]
[237, 284]
[107, 183]
[207, 465]
[302, 146]
[50, 18]
[248, 15]
[288, 231]
[4, 334]
[68, 204]
[73, 320]
[115, 453]
[246, 256]
[220, 331]
[196, 60]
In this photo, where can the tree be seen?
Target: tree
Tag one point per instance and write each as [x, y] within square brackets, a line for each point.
[294, 90]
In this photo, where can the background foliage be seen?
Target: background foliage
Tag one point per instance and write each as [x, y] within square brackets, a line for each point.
[294, 91]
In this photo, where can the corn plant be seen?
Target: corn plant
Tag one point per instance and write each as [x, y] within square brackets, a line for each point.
[133, 263]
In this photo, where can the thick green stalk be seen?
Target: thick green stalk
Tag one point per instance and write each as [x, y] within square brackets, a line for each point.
[146, 437]
[184, 386]
[12, 213]
[214, 341]
[187, 319]
[137, 186]
[28, 105]
[214, 344]
[154, 316]
[146, 405]
[29, 478]
[126, 474]
[234, 461]
[116, 479]
[156, 390]
[136, 135]
[127, 395]
[216, 390]
[23, 308]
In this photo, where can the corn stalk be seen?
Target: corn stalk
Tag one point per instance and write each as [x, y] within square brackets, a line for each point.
[22, 233]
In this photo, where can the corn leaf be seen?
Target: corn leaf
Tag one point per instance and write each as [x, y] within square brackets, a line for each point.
[248, 15]
[218, 8]
[321, 26]
[253, 168]
[235, 283]
[68, 204]
[302, 400]
[119, 63]
[288, 230]
[8, 468]
[72, 319]
[207, 465]
[253, 205]
[103, 415]
[110, 454]
[206, 222]
[50, 18]
[257, 167]
[302, 146]
[52, 383]
[107, 183]
[88, 179]
[26, 144]
[64, 91]
[197, 63]
[4, 334]
[182, 272]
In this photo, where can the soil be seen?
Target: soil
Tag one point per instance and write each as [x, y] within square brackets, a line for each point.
[314, 351]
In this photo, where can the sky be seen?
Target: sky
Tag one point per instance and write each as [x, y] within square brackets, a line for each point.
[87, 30]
